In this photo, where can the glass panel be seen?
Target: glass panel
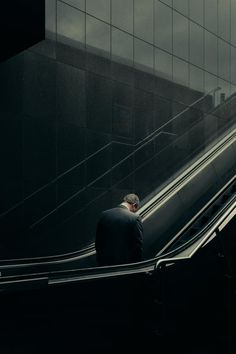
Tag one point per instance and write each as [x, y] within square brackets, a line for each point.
[181, 6]
[50, 18]
[196, 10]
[143, 114]
[71, 95]
[38, 87]
[122, 46]
[143, 55]
[211, 15]
[210, 52]
[168, 2]
[180, 35]
[80, 4]
[224, 60]
[70, 25]
[70, 147]
[233, 22]
[163, 64]
[233, 65]
[122, 101]
[143, 19]
[97, 35]
[196, 44]
[99, 8]
[99, 103]
[122, 14]
[196, 79]
[163, 26]
[163, 111]
[224, 19]
[210, 85]
[180, 71]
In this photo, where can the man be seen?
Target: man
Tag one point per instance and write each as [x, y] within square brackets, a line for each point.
[119, 236]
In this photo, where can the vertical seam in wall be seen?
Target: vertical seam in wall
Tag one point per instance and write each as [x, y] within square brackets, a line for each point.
[111, 132]
[110, 29]
[172, 41]
[153, 36]
[203, 19]
[56, 19]
[133, 36]
[217, 31]
[188, 47]
[86, 99]
[56, 99]
[230, 58]
[134, 105]
[85, 24]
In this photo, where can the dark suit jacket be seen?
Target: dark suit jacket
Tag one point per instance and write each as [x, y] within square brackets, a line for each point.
[119, 237]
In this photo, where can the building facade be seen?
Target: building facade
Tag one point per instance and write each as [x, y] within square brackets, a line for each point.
[119, 97]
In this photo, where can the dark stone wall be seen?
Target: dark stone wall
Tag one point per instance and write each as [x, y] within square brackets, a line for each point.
[78, 131]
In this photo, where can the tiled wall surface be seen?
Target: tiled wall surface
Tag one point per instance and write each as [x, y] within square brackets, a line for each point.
[119, 97]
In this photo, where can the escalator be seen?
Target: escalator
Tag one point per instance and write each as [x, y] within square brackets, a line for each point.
[61, 302]
[164, 216]
[154, 302]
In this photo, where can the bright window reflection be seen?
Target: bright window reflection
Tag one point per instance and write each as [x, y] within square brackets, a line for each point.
[50, 18]
[70, 25]
[210, 52]
[99, 8]
[224, 19]
[196, 44]
[143, 19]
[122, 14]
[180, 35]
[224, 59]
[80, 4]
[97, 35]
[196, 10]
[122, 46]
[163, 26]
[163, 64]
[196, 79]
[181, 6]
[143, 55]
[211, 15]
[180, 72]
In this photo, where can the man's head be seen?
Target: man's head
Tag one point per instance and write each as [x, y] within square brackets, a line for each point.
[132, 202]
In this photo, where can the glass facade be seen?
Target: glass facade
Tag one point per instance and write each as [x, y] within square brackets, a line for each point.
[117, 99]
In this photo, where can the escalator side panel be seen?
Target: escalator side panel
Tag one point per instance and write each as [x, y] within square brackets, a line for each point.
[225, 164]
[199, 191]
[160, 227]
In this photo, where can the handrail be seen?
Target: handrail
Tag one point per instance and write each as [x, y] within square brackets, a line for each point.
[141, 267]
[67, 276]
[185, 110]
[227, 209]
[119, 163]
[143, 142]
[89, 250]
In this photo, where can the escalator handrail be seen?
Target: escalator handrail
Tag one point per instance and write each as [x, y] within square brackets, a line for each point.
[65, 277]
[149, 207]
